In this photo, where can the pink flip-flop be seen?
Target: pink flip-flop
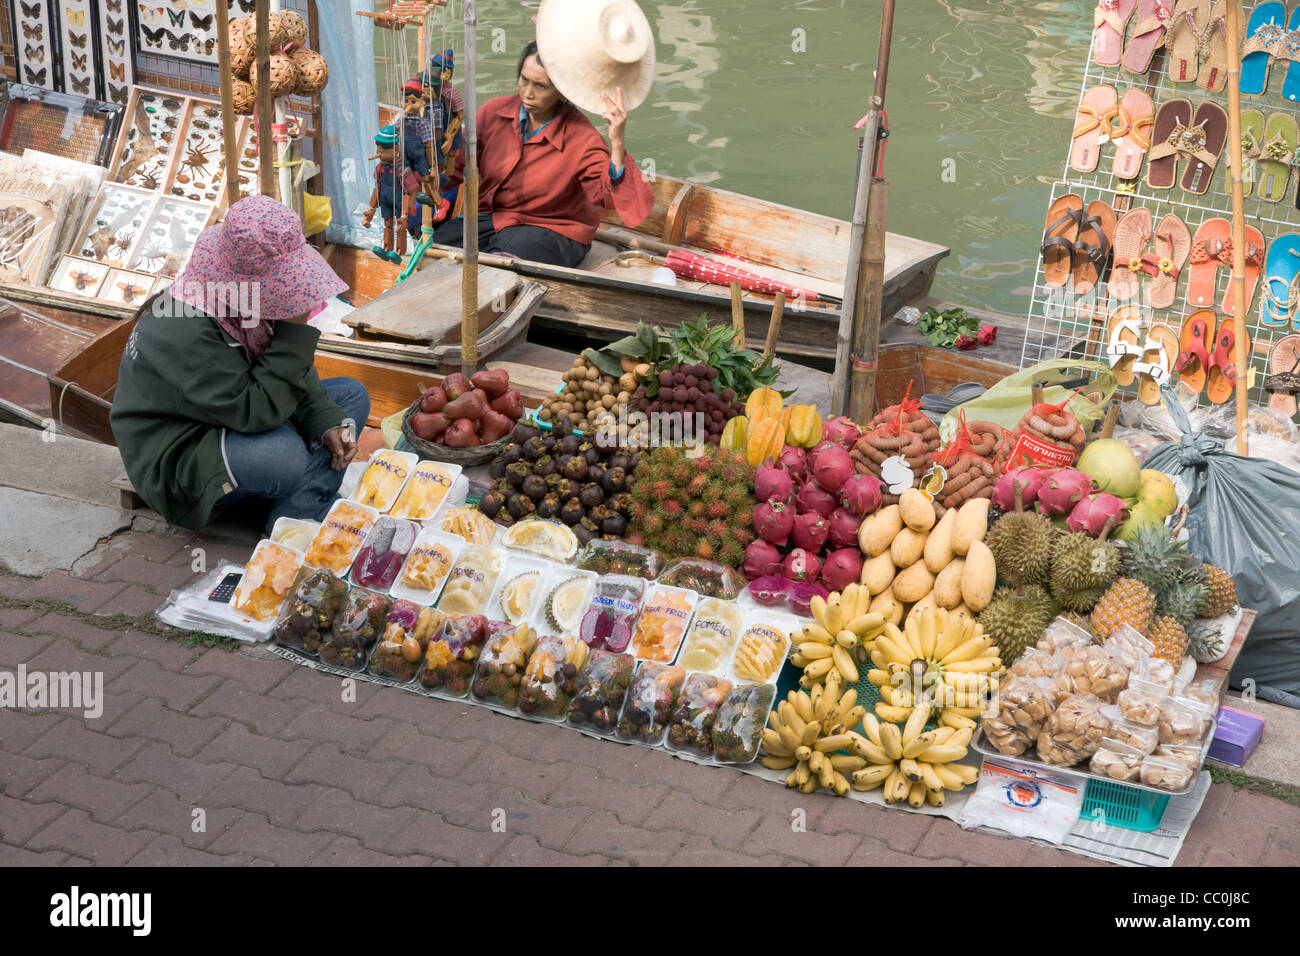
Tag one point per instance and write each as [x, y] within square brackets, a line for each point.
[1153, 18]
[1132, 233]
[1172, 244]
[1109, 21]
[1254, 262]
[1092, 129]
[1132, 136]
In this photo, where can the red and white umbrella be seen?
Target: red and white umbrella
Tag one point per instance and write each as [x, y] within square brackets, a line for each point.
[688, 265]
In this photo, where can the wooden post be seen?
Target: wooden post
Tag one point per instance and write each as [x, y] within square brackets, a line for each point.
[866, 311]
[853, 274]
[738, 314]
[774, 325]
[230, 145]
[262, 64]
[1240, 358]
[469, 268]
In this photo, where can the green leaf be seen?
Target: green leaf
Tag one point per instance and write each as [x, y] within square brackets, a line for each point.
[604, 361]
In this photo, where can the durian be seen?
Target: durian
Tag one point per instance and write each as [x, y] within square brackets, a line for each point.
[1082, 569]
[1016, 618]
[517, 596]
[1021, 542]
[565, 605]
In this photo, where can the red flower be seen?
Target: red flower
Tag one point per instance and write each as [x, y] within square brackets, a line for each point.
[987, 334]
[965, 343]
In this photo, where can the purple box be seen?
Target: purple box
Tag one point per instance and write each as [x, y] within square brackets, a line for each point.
[1237, 736]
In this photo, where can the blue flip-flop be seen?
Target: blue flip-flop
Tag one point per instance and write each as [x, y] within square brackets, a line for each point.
[1291, 85]
[1254, 65]
[1281, 266]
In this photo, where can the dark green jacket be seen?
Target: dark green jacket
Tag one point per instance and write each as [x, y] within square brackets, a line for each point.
[183, 382]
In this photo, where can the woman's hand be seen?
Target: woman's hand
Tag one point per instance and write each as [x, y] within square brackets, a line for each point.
[342, 446]
[617, 117]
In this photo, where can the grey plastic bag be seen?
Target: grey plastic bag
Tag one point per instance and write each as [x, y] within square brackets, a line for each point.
[1245, 517]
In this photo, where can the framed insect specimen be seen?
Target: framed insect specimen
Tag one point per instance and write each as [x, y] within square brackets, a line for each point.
[113, 230]
[127, 288]
[185, 29]
[200, 165]
[115, 50]
[34, 43]
[149, 138]
[169, 236]
[80, 61]
[79, 276]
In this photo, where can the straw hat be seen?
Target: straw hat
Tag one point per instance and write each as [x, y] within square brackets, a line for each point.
[590, 47]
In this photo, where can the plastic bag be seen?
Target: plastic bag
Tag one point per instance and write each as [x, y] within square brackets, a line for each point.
[357, 625]
[311, 612]
[1006, 401]
[691, 727]
[549, 683]
[704, 577]
[1245, 518]
[450, 657]
[601, 689]
[738, 728]
[1024, 801]
[1074, 732]
[406, 637]
[501, 664]
[650, 702]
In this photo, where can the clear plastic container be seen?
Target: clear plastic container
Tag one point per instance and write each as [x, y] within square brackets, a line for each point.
[469, 524]
[500, 671]
[738, 727]
[521, 586]
[407, 633]
[690, 729]
[384, 478]
[664, 618]
[310, 612]
[356, 627]
[1140, 701]
[550, 677]
[602, 688]
[384, 552]
[295, 533]
[1166, 774]
[426, 490]
[619, 557]
[761, 648]
[568, 593]
[650, 702]
[1189, 754]
[542, 538]
[428, 565]
[1117, 761]
[608, 621]
[341, 535]
[451, 657]
[269, 576]
[706, 578]
[472, 580]
[1183, 721]
[714, 631]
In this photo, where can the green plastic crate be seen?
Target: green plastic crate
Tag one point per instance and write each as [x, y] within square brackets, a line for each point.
[1121, 806]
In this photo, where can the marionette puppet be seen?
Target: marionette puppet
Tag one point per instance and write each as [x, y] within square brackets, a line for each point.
[395, 185]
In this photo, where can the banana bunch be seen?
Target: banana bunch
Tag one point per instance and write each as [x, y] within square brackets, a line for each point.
[837, 640]
[940, 659]
[806, 732]
[911, 763]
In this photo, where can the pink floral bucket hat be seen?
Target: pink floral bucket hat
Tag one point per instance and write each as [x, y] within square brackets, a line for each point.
[256, 265]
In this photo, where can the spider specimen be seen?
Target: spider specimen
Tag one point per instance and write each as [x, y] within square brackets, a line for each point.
[122, 240]
[196, 159]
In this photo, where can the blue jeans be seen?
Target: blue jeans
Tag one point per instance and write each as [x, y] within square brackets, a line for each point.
[278, 464]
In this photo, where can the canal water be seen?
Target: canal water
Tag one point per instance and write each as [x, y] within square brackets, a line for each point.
[760, 97]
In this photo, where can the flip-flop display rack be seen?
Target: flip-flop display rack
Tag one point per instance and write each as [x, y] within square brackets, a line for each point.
[1062, 323]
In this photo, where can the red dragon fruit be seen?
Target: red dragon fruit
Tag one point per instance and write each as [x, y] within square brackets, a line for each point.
[810, 532]
[772, 483]
[801, 594]
[769, 591]
[1062, 491]
[861, 495]
[795, 462]
[844, 529]
[842, 568]
[813, 497]
[761, 559]
[1097, 514]
[1031, 480]
[841, 430]
[801, 565]
[774, 520]
[831, 467]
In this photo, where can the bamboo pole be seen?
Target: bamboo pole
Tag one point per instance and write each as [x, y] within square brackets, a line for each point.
[262, 64]
[1240, 357]
[866, 311]
[229, 145]
[738, 314]
[469, 267]
[774, 325]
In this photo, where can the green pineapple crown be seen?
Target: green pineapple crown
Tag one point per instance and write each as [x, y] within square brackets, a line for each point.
[1155, 558]
[1183, 598]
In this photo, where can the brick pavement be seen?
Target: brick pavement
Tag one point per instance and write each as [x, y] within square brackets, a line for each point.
[284, 771]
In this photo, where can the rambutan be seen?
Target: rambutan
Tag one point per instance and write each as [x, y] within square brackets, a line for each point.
[697, 509]
[699, 526]
[668, 453]
[703, 463]
[704, 549]
[716, 509]
[697, 485]
[653, 524]
[659, 490]
[718, 529]
[635, 538]
[733, 474]
[671, 541]
[714, 492]
[671, 510]
[732, 553]
[639, 510]
[742, 537]
[746, 518]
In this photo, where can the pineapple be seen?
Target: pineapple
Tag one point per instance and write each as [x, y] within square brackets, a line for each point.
[1155, 558]
[1222, 596]
[1205, 641]
[1127, 601]
[1182, 600]
[1169, 638]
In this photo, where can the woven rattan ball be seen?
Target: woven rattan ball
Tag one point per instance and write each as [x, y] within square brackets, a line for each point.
[242, 97]
[241, 46]
[313, 71]
[284, 75]
[292, 27]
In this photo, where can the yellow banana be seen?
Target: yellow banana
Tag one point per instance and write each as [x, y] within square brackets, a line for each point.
[911, 769]
[791, 740]
[834, 616]
[865, 623]
[893, 651]
[817, 669]
[773, 743]
[791, 718]
[887, 712]
[960, 739]
[920, 744]
[947, 774]
[778, 763]
[792, 778]
[929, 777]
[942, 754]
[814, 651]
[872, 727]
[872, 776]
[839, 782]
[975, 664]
[830, 744]
[818, 607]
[877, 656]
[912, 632]
[817, 634]
[826, 774]
[798, 660]
[891, 785]
[809, 785]
[967, 651]
[966, 773]
[871, 752]
[916, 795]
[847, 763]
[810, 733]
[844, 664]
[971, 712]
[902, 786]
[934, 797]
[815, 761]
[853, 716]
[878, 676]
[956, 721]
[803, 706]
[927, 627]
[915, 723]
[802, 752]
[954, 633]
[801, 772]
[891, 738]
[849, 600]
[846, 639]
[774, 719]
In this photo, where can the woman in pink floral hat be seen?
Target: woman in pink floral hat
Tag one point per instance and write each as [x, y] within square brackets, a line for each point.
[217, 395]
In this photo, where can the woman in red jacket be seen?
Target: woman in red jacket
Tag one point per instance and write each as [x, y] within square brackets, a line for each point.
[545, 173]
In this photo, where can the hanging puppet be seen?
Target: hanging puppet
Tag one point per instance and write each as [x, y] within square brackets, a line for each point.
[453, 106]
[395, 185]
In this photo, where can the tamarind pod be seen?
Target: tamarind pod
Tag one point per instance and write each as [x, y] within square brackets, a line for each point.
[955, 484]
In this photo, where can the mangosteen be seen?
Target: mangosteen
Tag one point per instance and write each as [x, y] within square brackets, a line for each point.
[518, 505]
[566, 488]
[614, 481]
[512, 453]
[584, 535]
[572, 512]
[591, 496]
[534, 449]
[620, 461]
[523, 431]
[544, 466]
[615, 524]
[622, 503]
[592, 454]
[516, 473]
[492, 503]
[569, 444]
[549, 441]
[534, 486]
[599, 513]
[596, 473]
[562, 426]
[575, 468]
[549, 507]
[553, 480]
[497, 469]
[589, 524]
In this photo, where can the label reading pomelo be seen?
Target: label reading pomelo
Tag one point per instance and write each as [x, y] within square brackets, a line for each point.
[1031, 452]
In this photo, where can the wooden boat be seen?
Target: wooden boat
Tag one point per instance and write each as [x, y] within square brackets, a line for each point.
[609, 293]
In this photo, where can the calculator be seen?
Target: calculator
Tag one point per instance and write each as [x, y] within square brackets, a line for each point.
[224, 591]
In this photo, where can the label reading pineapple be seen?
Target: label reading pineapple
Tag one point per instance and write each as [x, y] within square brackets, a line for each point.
[428, 565]
[760, 652]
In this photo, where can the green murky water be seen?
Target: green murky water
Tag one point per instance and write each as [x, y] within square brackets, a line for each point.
[760, 97]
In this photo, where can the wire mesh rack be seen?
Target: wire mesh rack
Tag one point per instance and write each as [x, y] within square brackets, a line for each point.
[1063, 324]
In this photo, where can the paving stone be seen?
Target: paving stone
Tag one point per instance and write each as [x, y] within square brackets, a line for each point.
[60, 625]
[168, 851]
[526, 851]
[533, 777]
[264, 715]
[946, 839]
[62, 655]
[74, 832]
[19, 774]
[258, 676]
[97, 750]
[85, 595]
[871, 852]
[17, 618]
[104, 799]
[374, 826]
[701, 851]
[20, 728]
[584, 787]
[403, 742]
[606, 834]
[345, 851]
[20, 856]
[159, 548]
[304, 684]
[193, 778]
[359, 776]
[18, 649]
[19, 819]
[728, 829]
[255, 836]
[270, 755]
[1246, 843]
[1283, 849]
[185, 735]
[138, 646]
[551, 826]
[278, 801]
[350, 735]
[177, 691]
[647, 767]
[133, 601]
[430, 835]
[776, 836]
[158, 577]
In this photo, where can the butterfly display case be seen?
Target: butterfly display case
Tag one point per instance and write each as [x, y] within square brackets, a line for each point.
[185, 30]
[69, 126]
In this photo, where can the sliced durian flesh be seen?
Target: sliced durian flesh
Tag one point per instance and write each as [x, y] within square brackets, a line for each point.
[517, 596]
[566, 604]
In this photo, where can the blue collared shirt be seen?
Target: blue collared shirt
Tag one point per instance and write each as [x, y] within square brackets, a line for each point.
[615, 173]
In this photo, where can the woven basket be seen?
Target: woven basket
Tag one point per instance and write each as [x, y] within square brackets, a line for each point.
[284, 76]
[242, 97]
[313, 71]
[428, 450]
[293, 28]
[242, 50]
